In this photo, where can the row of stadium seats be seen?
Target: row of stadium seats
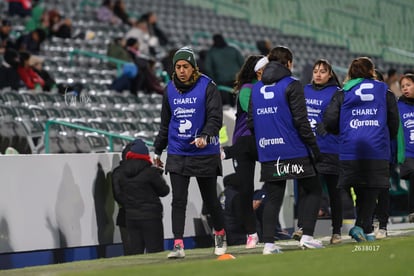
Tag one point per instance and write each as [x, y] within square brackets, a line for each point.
[23, 118]
[361, 22]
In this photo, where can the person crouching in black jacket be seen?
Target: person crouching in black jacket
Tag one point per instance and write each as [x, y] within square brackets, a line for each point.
[137, 187]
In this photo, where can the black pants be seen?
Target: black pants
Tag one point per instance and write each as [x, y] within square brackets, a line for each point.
[208, 190]
[126, 242]
[366, 201]
[382, 209]
[145, 235]
[310, 192]
[244, 154]
[411, 195]
[335, 201]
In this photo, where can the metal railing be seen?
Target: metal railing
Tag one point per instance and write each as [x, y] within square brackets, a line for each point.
[110, 135]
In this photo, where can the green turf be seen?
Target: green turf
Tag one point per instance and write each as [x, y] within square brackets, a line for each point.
[392, 256]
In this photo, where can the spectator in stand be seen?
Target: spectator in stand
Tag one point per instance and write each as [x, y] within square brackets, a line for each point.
[21, 8]
[153, 29]
[58, 25]
[139, 31]
[222, 63]
[125, 81]
[146, 80]
[5, 40]
[9, 77]
[36, 62]
[31, 42]
[105, 13]
[121, 12]
[406, 146]
[132, 46]
[116, 49]
[365, 115]
[39, 18]
[264, 46]
[30, 78]
[202, 54]
[152, 82]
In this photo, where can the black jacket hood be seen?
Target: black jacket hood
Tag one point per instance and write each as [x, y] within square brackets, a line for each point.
[275, 71]
[406, 100]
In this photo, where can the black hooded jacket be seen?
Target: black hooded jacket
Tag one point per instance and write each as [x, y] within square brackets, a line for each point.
[9, 77]
[364, 172]
[295, 97]
[137, 186]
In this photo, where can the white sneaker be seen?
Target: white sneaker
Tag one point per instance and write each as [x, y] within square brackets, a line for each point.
[274, 249]
[310, 243]
[335, 239]
[220, 244]
[252, 241]
[176, 253]
[381, 234]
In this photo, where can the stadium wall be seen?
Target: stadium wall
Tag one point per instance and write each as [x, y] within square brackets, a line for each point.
[60, 207]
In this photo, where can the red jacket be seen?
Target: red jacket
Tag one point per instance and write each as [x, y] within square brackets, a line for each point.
[30, 77]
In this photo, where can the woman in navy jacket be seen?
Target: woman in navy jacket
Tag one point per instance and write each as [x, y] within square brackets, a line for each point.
[318, 94]
[365, 115]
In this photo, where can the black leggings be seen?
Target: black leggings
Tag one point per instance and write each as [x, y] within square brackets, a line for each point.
[244, 156]
[382, 208]
[208, 190]
[411, 194]
[310, 192]
[366, 201]
[335, 201]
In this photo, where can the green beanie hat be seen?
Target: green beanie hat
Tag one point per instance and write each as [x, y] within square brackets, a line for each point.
[187, 54]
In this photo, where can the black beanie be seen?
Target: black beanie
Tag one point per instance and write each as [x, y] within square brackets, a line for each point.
[138, 146]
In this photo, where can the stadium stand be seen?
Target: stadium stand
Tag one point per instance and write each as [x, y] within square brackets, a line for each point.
[336, 30]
